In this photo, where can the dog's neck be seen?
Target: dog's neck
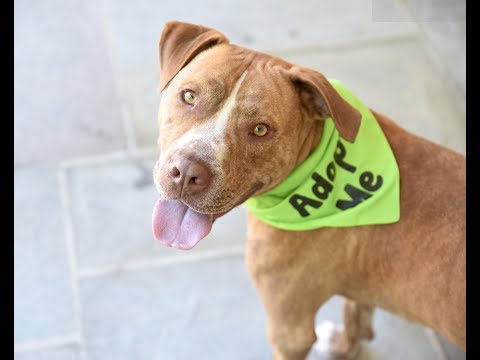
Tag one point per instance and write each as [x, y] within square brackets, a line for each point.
[338, 183]
[310, 140]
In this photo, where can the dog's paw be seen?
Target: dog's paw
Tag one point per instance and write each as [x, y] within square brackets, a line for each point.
[332, 344]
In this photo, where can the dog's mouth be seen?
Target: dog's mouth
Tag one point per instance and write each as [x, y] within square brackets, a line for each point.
[176, 225]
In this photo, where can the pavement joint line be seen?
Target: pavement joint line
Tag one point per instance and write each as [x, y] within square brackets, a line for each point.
[72, 259]
[345, 44]
[100, 159]
[127, 125]
[48, 343]
[437, 347]
[206, 255]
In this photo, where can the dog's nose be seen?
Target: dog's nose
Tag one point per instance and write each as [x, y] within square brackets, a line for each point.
[190, 176]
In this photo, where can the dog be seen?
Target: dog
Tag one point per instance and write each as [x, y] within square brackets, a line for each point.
[235, 124]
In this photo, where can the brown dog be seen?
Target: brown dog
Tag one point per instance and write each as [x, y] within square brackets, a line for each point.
[234, 123]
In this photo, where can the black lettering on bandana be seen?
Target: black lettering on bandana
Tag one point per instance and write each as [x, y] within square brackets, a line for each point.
[366, 180]
[299, 202]
[357, 196]
[322, 187]
[339, 157]
[331, 171]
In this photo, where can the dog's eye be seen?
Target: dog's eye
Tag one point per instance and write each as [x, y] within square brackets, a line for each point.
[260, 130]
[189, 97]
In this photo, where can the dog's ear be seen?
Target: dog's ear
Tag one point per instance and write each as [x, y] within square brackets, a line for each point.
[179, 43]
[322, 101]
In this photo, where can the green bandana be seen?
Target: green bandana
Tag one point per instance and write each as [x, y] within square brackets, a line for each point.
[340, 183]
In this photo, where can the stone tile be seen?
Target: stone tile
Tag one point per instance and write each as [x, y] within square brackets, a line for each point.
[398, 339]
[397, 79]
[444, 24]
[139, 84]
[65, 101]
[453, 352]
[62, 353]
[112, 209]
[271, 25]
[437, 11]
[42, 293]
[395, 338]
[448, 40]
[387, 11]
[205, 310]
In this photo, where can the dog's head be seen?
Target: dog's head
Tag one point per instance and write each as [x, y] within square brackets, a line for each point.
[233, 124]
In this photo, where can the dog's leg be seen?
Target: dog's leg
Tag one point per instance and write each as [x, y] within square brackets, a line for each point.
[290, 326]
[291, 308]
[291, 305]
[343, 341]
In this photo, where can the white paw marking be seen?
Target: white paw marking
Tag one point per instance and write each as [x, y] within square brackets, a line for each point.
[325, 331]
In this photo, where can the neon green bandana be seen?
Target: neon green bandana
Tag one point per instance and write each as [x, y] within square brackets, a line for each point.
[340, 183]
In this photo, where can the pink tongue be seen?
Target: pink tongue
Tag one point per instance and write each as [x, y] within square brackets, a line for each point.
[176, 225]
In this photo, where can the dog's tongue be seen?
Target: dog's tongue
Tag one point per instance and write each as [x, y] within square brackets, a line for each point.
[176, 225]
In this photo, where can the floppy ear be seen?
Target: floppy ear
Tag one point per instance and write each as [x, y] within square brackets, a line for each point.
[179, 43]
[323, 101]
